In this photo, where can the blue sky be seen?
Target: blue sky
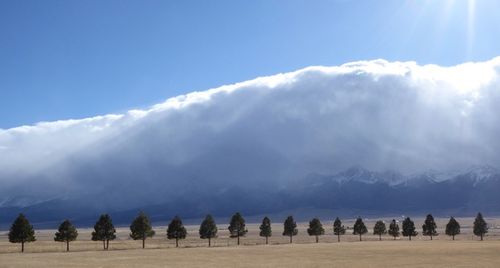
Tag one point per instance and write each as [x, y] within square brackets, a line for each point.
[75, 59]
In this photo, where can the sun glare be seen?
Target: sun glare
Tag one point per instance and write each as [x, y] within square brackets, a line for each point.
[469, 15]
[471, 10]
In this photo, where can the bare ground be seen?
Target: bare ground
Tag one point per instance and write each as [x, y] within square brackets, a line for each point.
[466, 251]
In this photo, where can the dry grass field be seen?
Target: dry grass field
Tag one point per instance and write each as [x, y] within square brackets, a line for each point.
[466, 251]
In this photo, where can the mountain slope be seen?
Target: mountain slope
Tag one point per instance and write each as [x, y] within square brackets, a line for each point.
[353, 190]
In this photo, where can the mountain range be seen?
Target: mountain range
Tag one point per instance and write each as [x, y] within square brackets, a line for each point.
[458, 193]
[350, 192]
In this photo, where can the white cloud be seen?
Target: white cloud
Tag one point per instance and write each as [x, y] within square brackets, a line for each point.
[377, 114]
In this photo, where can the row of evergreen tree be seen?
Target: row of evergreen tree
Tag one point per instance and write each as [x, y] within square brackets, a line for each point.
[22, 231]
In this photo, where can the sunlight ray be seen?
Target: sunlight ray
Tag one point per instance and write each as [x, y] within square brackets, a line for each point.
[471, 9]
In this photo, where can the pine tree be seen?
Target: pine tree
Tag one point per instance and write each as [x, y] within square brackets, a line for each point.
[359, 228]
[452, 228]
[409, 228]
[104, 230]
[21, 231]
[379, 229]
[290, 228]
[338, 228]
[208, 229]
[394, 229]
[176, 230]
[140, 228]
[66, 233]
[237, 226]
[429, 227]
[265, 229]
[480, 226]
[315, 228]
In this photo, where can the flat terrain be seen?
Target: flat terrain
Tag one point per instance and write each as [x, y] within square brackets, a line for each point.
[355, 254]
[466, 251]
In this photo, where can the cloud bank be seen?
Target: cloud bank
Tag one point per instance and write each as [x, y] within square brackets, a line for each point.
[267, 131]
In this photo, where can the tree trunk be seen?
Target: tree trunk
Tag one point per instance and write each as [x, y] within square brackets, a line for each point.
[238, 238]
[22, 246]
[67, 245]
[317, 239]
[409, 237]
[481, 237]
[267, 239]
[107, 244]
[104, 244]
[143, 242]
[431, 237]
[453, 237]
[338, 238]
[176, 242]
[209, 243]
[379, 237]
[359, 237]
[394, 237]
[291, 239]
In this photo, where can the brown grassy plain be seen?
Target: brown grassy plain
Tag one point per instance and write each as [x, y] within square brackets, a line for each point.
[466, 251]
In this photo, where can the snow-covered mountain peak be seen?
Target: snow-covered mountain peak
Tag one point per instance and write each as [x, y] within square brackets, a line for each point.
[475, 174]
[481, 173]
[360, 174]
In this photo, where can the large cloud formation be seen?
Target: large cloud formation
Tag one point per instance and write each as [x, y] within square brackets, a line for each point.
[267, 131]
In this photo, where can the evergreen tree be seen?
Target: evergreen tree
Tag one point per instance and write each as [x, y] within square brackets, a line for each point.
[452, 228]
[104, 230]
[338, 228]
[265, 229]
[394, 229]
[359, 228]
[176, 230]
[480, 226]
[409, 228]
[429, 227]
[21, 231]
[315, 228]
[208, 229]
[290, 228]
[379, 229]
[140, 228]
[66, 233]
[237, 226]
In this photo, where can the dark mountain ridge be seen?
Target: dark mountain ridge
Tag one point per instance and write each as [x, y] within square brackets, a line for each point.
[350, 192]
